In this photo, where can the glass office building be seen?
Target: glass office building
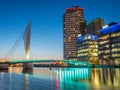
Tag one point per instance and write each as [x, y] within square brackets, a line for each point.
[109, 44]
[87, 48]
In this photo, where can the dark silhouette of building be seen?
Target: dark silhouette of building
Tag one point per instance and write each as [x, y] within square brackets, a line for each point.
[94, 26]
[74, 24]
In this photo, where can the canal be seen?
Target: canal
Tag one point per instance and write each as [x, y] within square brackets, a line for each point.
[60, 79]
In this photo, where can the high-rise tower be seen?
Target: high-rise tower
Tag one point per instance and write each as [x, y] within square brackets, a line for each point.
[74, 24]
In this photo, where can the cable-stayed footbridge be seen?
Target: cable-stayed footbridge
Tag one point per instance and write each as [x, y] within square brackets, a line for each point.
[26, 37]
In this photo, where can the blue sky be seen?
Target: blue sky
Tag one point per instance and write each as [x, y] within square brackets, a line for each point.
[47, 23]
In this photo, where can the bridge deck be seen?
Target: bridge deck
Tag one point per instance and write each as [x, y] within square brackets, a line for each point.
[33, 61]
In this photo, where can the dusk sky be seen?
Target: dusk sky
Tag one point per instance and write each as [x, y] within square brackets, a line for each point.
[47, 23]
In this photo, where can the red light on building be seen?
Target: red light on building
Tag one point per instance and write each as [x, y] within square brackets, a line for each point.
[76, 8]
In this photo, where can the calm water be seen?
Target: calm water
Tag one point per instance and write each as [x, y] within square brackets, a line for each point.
[60, 79]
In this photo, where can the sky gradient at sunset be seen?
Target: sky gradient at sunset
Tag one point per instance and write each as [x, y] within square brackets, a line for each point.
[47, 23]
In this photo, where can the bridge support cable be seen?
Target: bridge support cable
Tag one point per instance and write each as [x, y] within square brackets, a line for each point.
[24, 35]
[41, 47]
[52, 45]
[14, 47]
[50, 42]
[47, 50]
[47, 47]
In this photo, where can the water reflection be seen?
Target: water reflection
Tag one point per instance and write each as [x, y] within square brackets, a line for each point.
[11, 81]
[73, 78]
[61, 79]
[72, 74]
[17, 70]
[95, 79]
[109, 77]
[25, 82]
[106, 78]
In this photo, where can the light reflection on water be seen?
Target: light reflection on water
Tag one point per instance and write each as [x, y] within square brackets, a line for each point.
[61, 79]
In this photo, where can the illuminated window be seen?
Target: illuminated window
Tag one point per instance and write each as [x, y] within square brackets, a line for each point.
[89, 37]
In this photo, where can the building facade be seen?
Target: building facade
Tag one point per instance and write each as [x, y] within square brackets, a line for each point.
[94, 26]
[87, 48]
[74, 24]
[109, 44]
